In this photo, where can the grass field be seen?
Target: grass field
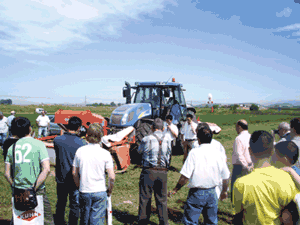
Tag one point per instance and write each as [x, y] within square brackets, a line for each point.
[125, 194]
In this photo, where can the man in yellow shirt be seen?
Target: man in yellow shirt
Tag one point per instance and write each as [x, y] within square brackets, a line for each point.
[259, 197]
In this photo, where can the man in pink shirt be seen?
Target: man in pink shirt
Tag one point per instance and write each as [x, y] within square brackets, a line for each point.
[241, 160]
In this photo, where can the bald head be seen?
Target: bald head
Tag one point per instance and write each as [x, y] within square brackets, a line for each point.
[241, 125]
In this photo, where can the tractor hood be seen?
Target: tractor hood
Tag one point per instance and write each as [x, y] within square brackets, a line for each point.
[127, 115]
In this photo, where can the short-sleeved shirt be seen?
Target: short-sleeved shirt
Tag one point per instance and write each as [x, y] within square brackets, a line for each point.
[65, 147]
[30, 153]
[149, 148]
[9, 119]
[263, 193]
[168, 132]
[3, 125]
[43, 121]
[205, 167]
[92, 160]
[187, 132]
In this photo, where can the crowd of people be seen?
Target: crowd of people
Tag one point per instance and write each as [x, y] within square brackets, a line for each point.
[265, 179]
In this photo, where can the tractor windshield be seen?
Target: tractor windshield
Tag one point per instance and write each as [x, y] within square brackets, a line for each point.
[153, 95]
[148, 95]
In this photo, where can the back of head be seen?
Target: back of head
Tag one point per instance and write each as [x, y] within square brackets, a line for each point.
[169, 117]
[243, 124]
[94, 133]
[295, 123]
[204, 133]
[74, 123]
[289, 150]
[261, 144]
[284, 126]
[22, 126]
[158, 124]
[13, 127]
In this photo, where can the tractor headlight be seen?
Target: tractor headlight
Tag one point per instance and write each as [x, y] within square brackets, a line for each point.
[124, 119]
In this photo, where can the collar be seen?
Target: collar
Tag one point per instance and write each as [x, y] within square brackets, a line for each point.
[244, 132]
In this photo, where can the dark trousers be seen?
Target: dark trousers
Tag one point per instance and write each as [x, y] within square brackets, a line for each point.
[63, 190]
[153, 180]
[237, 172]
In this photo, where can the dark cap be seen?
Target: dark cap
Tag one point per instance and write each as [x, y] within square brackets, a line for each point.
[158, 124]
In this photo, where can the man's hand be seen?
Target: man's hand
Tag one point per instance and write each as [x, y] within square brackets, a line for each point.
[250, 168]
[224, 195]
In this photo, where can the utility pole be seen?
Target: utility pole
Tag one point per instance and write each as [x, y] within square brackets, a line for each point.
[85, 101]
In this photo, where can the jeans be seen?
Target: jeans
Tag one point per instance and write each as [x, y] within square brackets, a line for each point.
[43, 131]
[198, 201]
[237, 172]
[63, 190]
[3, 137]
[93, 208]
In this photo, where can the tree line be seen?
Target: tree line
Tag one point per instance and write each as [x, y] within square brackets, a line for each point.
[5, 101]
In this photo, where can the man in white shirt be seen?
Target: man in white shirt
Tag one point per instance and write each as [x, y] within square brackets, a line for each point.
[43, 123]
[241, 160]
[204, 168]
[89, 167]
[3, 129]
[170, 128]
[9, 119]
[189, 136]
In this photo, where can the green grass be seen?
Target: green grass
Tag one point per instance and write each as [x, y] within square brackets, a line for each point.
[125, 195]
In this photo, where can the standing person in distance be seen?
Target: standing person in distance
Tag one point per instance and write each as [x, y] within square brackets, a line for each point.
[89, 167]
[241, 160]
[189, 135]
[43, 123]
[3, 129]
[171, 129]
[65, 147]
[9, 119]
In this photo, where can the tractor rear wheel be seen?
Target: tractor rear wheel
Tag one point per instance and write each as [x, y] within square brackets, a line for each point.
[143, 129]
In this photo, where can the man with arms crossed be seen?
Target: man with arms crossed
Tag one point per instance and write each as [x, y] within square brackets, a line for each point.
[204, 168]
[65, 147]
[43, 122]
[259, 197]
[32, 164]
[89, 167]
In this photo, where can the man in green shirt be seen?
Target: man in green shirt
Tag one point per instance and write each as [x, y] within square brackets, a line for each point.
[32, 164]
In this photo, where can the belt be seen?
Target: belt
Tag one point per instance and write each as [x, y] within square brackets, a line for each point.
[202, 188]
[156, 168]
[190, 139]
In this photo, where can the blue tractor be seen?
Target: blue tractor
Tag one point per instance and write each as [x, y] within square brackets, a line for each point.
[150, 100]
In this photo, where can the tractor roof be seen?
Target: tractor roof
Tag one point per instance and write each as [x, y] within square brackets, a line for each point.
[158, 84]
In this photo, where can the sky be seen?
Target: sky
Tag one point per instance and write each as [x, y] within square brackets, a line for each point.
[67, 51]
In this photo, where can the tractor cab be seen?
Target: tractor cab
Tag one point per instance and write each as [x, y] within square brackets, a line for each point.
[163, 97]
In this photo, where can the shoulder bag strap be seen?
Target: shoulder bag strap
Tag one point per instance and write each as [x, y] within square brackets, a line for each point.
[13, 168]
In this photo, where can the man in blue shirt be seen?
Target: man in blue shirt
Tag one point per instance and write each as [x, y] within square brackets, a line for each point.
[156, 153]
[65, 147]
